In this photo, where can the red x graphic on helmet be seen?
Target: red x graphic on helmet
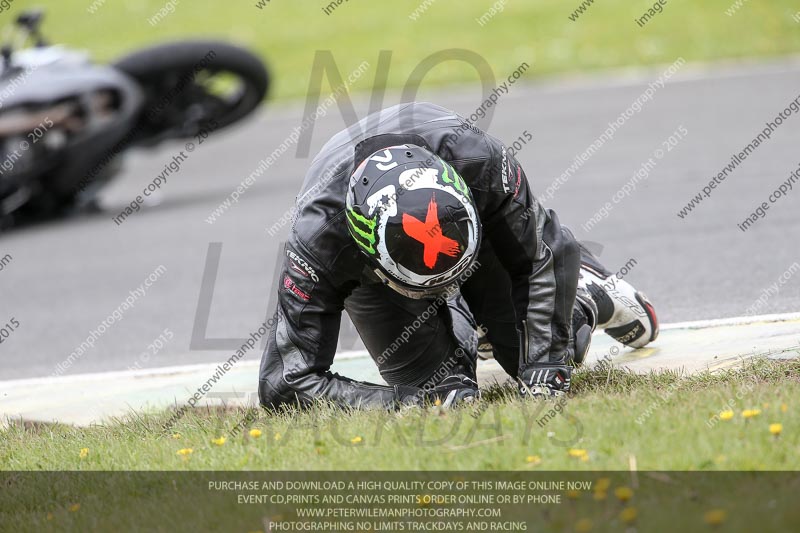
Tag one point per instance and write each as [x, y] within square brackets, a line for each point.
[429, 233]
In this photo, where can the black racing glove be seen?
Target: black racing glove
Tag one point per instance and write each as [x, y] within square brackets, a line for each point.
[542, 380]
[453, 390]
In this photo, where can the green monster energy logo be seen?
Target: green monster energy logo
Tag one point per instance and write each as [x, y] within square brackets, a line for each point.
[456, 180]
[365, 239]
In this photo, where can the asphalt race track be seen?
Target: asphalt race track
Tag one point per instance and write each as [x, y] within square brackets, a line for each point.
[65, 278]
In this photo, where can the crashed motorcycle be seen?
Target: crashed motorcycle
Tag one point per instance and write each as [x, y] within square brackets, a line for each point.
[65, 121]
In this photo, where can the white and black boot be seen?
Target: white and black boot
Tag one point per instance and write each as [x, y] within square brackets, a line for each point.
[623, 313]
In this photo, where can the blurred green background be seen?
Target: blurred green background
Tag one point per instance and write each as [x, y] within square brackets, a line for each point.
[287, 33]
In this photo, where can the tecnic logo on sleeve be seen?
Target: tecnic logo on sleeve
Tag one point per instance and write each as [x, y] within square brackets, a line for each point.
[301, 266]
[504, 171]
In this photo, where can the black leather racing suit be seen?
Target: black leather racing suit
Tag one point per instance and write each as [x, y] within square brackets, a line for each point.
[523, 292]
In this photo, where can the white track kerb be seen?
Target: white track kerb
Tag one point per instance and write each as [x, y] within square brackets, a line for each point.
[92, 398]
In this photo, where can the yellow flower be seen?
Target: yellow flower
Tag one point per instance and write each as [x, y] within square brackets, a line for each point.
[219, 441]
[49, 516]
[775, 429]
[176, 436]
[784, 408]
[715, 517]
[84, 452]
[576, 452]
[765, 405]
[750, 413]
[74, 507]
[726, 415]
[584, 525]
[255, 433]
[185, 451]
[438, 402]
[573, 494]
[356, 440]
[277, 436]
[628, 515]
[623, 494]
[603, 484]
[533, 459]
[599, 495]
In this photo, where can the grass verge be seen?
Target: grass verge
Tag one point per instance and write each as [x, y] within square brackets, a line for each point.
[660, 421]
[287, 34]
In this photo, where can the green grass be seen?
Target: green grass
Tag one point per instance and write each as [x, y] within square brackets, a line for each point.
[65, 491]
[287, 34]
[614, 415]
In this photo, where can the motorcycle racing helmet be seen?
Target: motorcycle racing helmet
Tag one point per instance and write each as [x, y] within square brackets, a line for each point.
[413, 217]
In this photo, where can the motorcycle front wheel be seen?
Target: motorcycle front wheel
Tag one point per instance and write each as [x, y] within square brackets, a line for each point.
[192, 87]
